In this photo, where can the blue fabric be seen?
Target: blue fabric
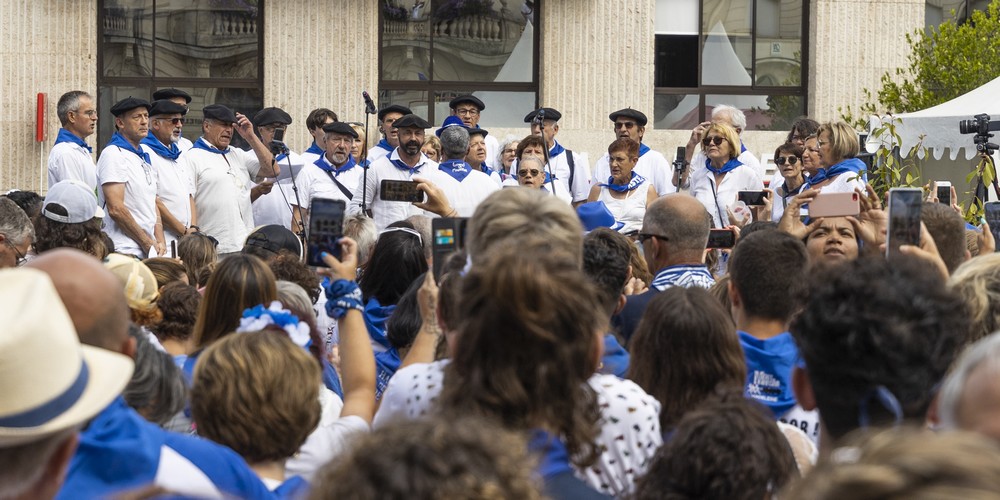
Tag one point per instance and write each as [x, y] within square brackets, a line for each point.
[386, 364]
[119, 140]
[384, 144]
[179, 360]
[331, 380]
[293, 487]
[120, 450]
[67, 136]
[341, 296]
[850, 165]
[336, 171]
[554, 457]
[769, 370]
[403, 166]
[486, 170]
[556, 150]
[457, 169]
[643, 149]
[188, 368]
[169, 152]
[201, 144]
[376, 316]
[634, 182]
[615, 359]
[684, 276]
[730, 165]
[314, 149]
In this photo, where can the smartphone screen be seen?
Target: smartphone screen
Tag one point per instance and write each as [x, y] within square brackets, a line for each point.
[400, 191]
[448, 237]
[944, 193]
[904, 218]
[992, 210]
[279, 134]
[752, 197]
[721, 238]
[326, 226]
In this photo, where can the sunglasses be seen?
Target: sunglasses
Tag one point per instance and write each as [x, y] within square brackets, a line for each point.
[525, 172]
[626, 125]
[174, 121]
[791, 160]
[717, 140]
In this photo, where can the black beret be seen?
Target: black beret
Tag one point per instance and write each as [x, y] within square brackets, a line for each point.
[340, 128]
[171, 93]
[128, 104]
[550, 114]
[220, 113]
[634, 114]
[165, 107]
[469, 99]
[268, 116]
[393, 108]
[411, 120]
[478, 131]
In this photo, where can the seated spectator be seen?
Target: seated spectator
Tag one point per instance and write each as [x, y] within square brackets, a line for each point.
[466, 458]
[157, 390]
[139, 284]
[16, 234]
[626, 193]
[166, 271]
[198, 252]
[969, 399]
[897, 324]
[178, 304]
[726, 448]
[978, 283]
[70, 218]
[606, 256]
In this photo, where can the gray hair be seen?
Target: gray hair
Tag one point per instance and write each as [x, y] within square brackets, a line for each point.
[531, 159]
[735, 115]
[361, 229]
[68, 103]
[454, 142]
[422, 224]
[983, 354]
[157, 389]
[292, 294]
[22, 466]
[14, 223]
[503, 145]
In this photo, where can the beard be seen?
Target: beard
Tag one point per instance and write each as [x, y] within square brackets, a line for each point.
[412, 148]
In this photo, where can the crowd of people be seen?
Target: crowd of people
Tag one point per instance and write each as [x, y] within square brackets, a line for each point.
[166, 338]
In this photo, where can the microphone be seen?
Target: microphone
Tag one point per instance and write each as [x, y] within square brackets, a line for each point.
[369, 104]
[540, 116]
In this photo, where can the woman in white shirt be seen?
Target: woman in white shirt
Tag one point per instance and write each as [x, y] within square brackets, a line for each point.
[840, 171]
[626, 193]
[716, 183]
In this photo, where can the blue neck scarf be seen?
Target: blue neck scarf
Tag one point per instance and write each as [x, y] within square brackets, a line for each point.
[485, 169]
[728, 167]
[376, 316]
[314, 149]
[643, 149]
[169, 152]
[556, 150]
[328, 167]
[400, 164]
[384, 144]
[120, 141]
[633, 183]
[67, 136]
[457, 169]
[850, 165]
[201, 144]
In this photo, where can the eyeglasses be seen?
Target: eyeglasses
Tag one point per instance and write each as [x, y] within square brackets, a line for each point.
[174, 121]
[90, 112]
[20, 258]
[626, 125]
[717, 140]
[525, 172]
[792, 160]
[645, 236]
[467, 111]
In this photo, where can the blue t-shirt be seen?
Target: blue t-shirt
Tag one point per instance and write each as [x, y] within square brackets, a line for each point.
[615, 360]
[769, 370]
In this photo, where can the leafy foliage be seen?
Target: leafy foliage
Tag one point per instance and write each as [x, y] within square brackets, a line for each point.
[889, 170]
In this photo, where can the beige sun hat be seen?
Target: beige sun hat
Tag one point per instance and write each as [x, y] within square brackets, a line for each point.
[138, 280]
[48, 381]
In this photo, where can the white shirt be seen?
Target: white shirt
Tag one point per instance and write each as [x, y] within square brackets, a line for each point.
[72, 161]
[746, 157]
[629, 210]
[491, 151]
[175, 189]
[375, 153]
[314, 182]
[119, 166]
[222, 194]
[184, 144]
[274, 207]
[466, 195]
[387, 212]
[581, 180]
[717, 198]
[844, 183]
[652, 165]
[630, 421]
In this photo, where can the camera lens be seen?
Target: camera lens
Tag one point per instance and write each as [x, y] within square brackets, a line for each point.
[967, 127]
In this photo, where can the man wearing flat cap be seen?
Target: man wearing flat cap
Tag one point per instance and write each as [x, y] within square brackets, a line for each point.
[571, 172]
[335, 175]
[181, 98]
[174, 188]
[470, 108]
[128, 184]
[405, 163]
[270, 206]
[652, 165]
[223, 176]
[386, 117]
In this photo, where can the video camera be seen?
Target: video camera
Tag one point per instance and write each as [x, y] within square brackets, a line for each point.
[981, 126]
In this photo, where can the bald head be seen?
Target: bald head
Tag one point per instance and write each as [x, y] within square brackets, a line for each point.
[92, 296]
[682, 219]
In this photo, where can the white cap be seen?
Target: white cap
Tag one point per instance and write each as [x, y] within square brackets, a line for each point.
[76, 197]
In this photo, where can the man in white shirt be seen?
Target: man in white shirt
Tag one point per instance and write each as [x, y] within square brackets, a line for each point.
[222, 176]
[406, 163]
[476, 157]
[314, 122]
[631, 124]
[128, 184]
[174, 189]
[271, 197]
[335, 175]
[70, 157]
[182, 98]
[466, 186]
[731, 116]
[570, 170]
[469, 108]
[390, 140]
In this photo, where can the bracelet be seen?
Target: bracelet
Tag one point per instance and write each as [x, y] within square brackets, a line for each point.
[341, 296]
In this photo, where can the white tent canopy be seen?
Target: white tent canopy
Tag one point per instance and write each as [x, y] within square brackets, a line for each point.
[937, 127]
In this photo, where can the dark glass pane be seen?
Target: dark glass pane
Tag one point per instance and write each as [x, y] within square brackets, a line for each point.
[416, 100]
[483, 40]
[503, 109]
[727, 53]
[406, 40]
[127, 38]
[775, 112]
[676, 60]
[779, 43]
[675, 111]
[212, 39]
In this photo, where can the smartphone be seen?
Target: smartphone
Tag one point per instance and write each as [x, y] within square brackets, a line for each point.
[391, 190]
[944, 192]
[834, 205]
[721, 238]
[326, 226]
[279, 134]
[992, 212]
[448, 237]
[751, 198]
[904, 218]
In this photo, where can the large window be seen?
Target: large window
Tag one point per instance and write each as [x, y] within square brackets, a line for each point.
[747, 53]
[939, 11]
[434, 50]
[211, 49]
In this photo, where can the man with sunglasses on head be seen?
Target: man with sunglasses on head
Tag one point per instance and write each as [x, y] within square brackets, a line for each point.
[71, 157]
[181, 98]
[174, 187]
[652, 165]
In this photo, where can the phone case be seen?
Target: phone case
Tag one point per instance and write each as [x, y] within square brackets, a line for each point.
[834, 205]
